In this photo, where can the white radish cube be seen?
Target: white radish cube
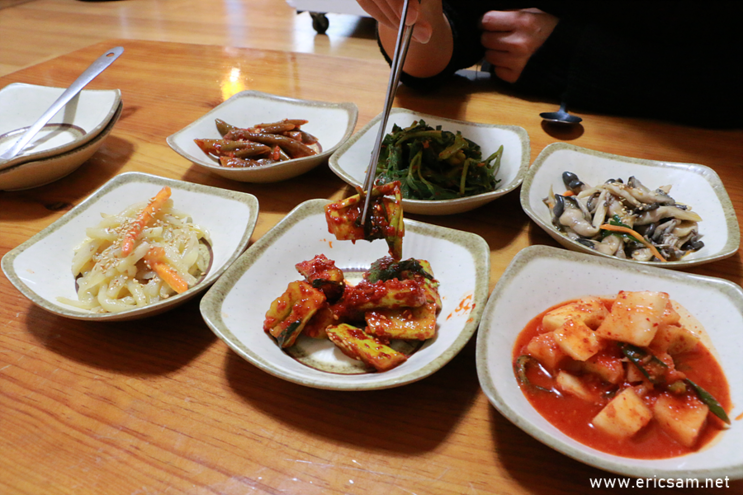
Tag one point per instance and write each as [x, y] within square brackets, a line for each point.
[577, 340]
[681, 417]
[572, 385]
[624, 416]
[589, 310]
[609, 368]
[674, 339]
[544, 349]
[634, 317]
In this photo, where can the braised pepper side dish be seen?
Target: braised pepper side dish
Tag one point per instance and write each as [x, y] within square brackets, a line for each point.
[394, 300]
[385, 218]
[259, 145]
[625, 375]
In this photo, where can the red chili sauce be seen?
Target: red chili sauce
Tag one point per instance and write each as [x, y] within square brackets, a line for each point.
[573, 415]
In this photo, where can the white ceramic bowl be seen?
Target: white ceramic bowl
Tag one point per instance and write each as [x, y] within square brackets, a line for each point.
[39, 171]
[695, 185]
[82, 119]
[540, 277]
[351, 161]
[331, 123]
[41, 267]
[235, 307]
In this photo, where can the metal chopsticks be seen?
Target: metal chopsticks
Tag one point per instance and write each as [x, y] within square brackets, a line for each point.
[404, 34]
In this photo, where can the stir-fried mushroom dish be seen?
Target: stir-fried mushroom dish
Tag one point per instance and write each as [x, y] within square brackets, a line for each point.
[625, 220]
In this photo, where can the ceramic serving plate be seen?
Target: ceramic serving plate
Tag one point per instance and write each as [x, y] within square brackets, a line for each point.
[351, 160]
[235, 307]
[695, 185]
[41, 267]
[540, 277]
[39, 171]
[331, 123]
[80, 121]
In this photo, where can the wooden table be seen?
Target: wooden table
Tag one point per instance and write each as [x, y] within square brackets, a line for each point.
[161, 405]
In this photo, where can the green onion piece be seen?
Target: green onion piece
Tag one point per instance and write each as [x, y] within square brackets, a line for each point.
[615, 220]
[636, 356]
[519, 367]
[463, 181]
[639, 357]
[284, 336]
[714, 406]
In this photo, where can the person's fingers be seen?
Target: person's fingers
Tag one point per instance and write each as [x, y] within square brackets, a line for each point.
[510, 38]
[422, 30]
[413, 12]
[511, 42]
[382, 11]
[388, 13]
[506, 65]
[496, 20]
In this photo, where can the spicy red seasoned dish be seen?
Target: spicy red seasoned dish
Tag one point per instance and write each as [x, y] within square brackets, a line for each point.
[396, 300]
[628, 375]
[261, 144]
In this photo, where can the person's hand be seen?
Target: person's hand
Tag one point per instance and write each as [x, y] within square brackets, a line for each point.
[388, 13]
[432, 45]
[510, 38]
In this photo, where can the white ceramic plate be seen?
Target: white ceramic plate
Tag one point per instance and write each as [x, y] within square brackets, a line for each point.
[540, 277]
[331, 123]
[351, 161]
[82, 119]
[235, 307]
[694, 185]
[37, 172]
[41, 267]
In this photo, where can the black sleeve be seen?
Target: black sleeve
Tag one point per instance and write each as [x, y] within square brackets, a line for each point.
[675, 61]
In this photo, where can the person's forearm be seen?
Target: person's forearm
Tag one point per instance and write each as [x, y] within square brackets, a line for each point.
[423, 59]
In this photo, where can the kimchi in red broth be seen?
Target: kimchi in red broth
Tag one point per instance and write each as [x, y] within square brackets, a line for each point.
[628, 376]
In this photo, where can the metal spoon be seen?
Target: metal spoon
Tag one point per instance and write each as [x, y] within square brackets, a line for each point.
[90, 73]
[561, 116]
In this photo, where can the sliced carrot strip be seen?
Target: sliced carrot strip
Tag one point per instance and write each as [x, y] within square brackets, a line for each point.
[636, 235]
[145, 216]
[155, 259]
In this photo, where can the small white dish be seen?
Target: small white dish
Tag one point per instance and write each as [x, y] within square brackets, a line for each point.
[83, 118]
[460, 262]
[331, 123]
[540, 277]
[41, 267]
[694, 185]
[351, 161]
[41, 171]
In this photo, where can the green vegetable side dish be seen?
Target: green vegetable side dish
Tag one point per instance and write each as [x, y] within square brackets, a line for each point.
[434, 164]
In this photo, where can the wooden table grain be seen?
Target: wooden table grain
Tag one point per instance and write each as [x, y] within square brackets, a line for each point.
[161, 405]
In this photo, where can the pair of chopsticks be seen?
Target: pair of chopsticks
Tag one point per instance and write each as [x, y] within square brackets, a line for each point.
[404, 34]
